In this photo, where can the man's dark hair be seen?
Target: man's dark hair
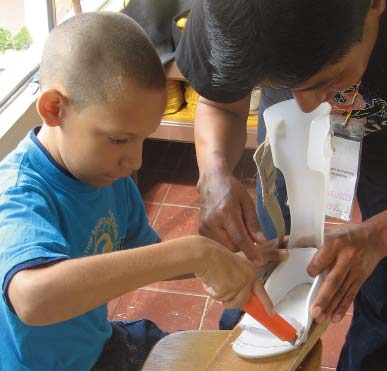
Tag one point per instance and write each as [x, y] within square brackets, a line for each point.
[95, 56]
[284, 42]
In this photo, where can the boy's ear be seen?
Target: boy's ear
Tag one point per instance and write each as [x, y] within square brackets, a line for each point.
[51, 105]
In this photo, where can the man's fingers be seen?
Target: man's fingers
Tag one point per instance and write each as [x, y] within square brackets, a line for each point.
[238, 235]
[329, 288]
[250, 219]
[260, 239]
[270, 251]
[348, 299]
[219, 235]
[322, 260]
[274, 254]
[338, 297]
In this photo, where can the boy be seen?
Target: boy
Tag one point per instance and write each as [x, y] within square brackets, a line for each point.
[69, 211]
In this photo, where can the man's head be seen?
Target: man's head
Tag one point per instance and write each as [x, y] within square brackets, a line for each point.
[103, 93]
[314, 48]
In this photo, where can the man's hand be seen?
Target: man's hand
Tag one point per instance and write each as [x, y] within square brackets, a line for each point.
[349, 255]
[228, 216]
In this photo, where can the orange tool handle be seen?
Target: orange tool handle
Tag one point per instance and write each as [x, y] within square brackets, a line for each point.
[275, 324]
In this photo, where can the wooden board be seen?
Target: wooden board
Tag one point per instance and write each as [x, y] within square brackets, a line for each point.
[185, 351]
[225, 358]
[211, 351]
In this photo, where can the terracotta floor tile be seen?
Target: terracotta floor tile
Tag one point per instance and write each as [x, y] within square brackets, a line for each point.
[175, 221]
[112, 307]
[333, 340]
[153, 186]
[151, 211]
[171, 312]
[183, 195]
[212, 315]
[193, 286]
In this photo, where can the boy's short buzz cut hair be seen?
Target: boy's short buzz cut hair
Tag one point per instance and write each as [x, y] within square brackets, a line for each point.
[95, 56]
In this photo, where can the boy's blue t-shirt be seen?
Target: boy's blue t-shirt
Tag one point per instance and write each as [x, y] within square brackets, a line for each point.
[46, 215]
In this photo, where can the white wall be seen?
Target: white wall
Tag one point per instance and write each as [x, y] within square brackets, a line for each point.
[10, 139]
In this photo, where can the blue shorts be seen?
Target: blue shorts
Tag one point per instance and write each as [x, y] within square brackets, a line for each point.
[129, 346]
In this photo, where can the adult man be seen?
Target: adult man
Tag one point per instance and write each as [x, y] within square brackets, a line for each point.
[311, 51]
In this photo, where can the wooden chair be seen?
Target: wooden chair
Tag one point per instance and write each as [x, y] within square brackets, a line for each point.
[211, 351]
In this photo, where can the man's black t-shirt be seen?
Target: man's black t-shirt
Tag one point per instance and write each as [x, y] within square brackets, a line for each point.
[193, 57]
[373, 89]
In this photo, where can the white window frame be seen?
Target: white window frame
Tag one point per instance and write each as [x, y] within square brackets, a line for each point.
[17, 109]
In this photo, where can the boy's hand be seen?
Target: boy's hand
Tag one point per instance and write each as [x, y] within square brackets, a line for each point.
[229, 278]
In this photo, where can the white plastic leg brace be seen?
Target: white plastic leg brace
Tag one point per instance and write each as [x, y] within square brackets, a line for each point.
[300, 146]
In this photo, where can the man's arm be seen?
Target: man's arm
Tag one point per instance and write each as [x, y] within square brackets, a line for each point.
[58, 292]
[227, 211]
[220, 134]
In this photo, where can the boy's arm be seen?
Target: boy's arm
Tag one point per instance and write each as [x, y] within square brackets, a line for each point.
[183, 277]
[55, 293]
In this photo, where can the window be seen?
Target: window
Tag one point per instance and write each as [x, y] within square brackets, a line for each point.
[63, 9]
[24, 26]
[23, 29]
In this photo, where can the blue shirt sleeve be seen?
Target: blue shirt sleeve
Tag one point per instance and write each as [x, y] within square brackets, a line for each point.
[26, 265]
[29, 231]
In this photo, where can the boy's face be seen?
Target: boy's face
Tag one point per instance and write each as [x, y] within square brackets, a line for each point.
[103, 143]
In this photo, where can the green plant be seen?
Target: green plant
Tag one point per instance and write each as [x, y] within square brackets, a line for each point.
[5, 39]
[22, 39]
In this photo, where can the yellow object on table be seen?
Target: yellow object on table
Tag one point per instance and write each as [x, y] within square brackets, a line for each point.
[175, 97]
[187, 113]
[181, 23]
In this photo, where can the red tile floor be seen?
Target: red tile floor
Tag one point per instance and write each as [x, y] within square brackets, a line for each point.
[167, 183]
